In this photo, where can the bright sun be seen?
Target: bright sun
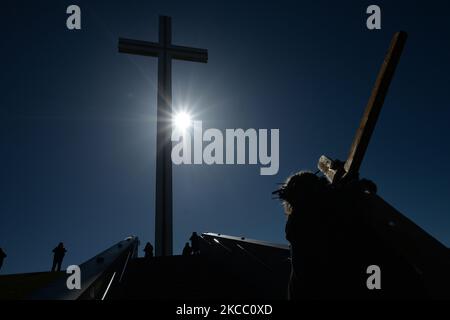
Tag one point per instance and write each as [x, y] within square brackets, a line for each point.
[182, 120]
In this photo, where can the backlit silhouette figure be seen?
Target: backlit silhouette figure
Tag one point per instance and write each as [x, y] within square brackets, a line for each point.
[187, 250]
[58, 256]
[148, 250]
[2, 257]
[301, 197]
[333, 241]
[195, 243]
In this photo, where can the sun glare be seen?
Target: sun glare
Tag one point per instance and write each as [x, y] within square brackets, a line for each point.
[182, 120]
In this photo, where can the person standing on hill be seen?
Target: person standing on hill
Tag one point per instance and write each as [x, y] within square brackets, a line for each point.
[2, 257]
[195, 243]
[58, 255]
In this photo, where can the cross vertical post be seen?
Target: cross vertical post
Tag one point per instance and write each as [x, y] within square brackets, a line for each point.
[163, 205]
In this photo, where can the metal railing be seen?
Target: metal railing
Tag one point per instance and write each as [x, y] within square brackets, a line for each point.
[97, 274]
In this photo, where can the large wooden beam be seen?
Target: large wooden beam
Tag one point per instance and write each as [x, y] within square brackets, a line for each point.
[373, 108]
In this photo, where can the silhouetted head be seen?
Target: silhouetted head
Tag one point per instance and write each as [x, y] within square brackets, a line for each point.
[300, 188]
[194, 233]
[187, 244]
[61, 245]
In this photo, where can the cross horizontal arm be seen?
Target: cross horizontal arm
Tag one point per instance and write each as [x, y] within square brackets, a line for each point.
[188, 54]
[142, 48]
[152, 49]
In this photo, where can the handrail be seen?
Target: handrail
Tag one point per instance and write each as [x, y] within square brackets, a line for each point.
[95, 274]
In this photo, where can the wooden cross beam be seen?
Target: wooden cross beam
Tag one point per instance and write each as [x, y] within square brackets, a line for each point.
[336, 170]
[165, 51]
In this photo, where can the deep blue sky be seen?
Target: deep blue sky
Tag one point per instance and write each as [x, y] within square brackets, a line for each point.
[78, 118]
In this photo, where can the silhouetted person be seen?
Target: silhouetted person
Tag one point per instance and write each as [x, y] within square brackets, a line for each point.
[195, 243]
[301, 200]
[148, 250]
[2, 257]
[333, 240]
[329, 236]
[187, 250]
[58, 255]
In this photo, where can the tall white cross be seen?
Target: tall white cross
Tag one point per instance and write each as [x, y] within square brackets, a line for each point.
[165, 51]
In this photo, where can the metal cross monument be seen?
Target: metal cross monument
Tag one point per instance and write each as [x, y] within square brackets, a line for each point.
[165, 51]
